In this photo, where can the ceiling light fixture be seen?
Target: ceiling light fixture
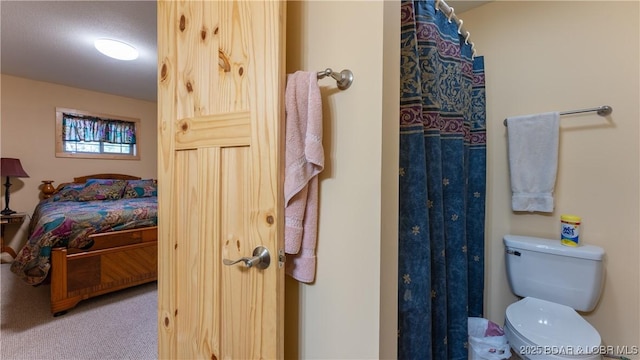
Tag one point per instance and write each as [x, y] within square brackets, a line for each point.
[116, 49]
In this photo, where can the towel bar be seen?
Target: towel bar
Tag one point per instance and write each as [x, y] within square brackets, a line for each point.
[603, 110]
[344, 78]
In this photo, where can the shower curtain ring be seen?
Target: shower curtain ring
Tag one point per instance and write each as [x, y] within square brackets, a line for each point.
[460, 27]
[437, 4]
[450, 15]
[466, 38]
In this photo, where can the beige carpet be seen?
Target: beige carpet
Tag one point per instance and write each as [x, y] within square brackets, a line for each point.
[121, 325]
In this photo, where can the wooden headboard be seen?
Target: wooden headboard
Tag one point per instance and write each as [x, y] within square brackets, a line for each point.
[83, 179]
[47, 192]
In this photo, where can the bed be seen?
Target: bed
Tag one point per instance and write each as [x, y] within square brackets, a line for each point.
[90, 237]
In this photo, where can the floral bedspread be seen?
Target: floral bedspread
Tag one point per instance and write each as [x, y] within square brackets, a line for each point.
[69, 224]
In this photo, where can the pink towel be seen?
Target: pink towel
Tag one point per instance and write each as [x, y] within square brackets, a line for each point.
[304, 160]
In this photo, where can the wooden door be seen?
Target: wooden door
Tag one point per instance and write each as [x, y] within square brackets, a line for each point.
[220, 157]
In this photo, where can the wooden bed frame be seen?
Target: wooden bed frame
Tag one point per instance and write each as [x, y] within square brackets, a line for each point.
[116, 261]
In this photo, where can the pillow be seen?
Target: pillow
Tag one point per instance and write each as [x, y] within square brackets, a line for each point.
[68, 192]
[140, 188]
[102, 189]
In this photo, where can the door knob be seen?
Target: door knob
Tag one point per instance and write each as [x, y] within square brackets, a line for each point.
[260, 259]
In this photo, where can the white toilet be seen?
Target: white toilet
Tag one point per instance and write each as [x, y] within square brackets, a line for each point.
[554, 281]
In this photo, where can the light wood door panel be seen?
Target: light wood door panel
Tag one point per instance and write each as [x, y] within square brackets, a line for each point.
[220, 157]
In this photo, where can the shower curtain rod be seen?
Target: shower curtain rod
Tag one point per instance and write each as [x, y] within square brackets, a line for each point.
[451, 15]
[603, 110]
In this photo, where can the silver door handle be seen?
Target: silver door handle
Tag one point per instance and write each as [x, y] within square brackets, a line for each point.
[261, 259]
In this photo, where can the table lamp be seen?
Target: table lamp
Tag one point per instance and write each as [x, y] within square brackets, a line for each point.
[10, 167]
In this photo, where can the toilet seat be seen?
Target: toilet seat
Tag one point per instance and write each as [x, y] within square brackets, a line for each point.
[546, 324]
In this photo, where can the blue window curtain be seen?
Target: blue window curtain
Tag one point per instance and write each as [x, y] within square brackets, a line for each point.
[92, 129]
[442, 186]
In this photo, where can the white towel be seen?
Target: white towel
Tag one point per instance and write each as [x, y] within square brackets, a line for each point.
[533, 160]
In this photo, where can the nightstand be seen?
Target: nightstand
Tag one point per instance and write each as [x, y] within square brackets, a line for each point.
[5, 220]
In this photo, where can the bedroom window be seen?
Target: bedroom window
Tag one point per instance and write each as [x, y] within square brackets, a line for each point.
[81, 134]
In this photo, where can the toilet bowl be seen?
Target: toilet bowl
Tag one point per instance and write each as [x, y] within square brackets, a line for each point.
[553, 281]
[539, 329]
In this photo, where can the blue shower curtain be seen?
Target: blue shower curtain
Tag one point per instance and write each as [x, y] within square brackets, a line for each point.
[442, 186]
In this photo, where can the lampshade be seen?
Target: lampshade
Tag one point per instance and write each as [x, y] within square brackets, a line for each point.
[11, 167]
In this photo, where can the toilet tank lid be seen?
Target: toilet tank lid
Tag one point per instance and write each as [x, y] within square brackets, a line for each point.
[531, 243]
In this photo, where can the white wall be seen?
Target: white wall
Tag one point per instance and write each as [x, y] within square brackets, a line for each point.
[338, 317]
[562, 55]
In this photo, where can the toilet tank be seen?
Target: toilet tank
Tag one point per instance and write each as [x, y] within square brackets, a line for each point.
[547, 270]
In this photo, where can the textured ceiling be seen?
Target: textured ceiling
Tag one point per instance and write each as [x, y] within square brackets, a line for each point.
[52, 41]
